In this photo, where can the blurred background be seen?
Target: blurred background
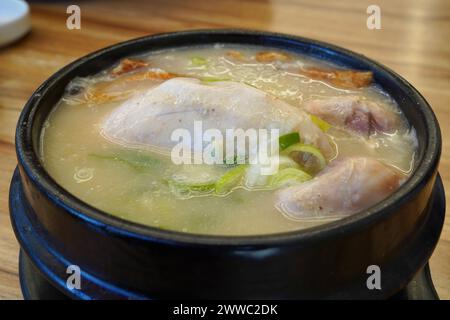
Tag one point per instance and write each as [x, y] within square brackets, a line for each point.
[414, 41]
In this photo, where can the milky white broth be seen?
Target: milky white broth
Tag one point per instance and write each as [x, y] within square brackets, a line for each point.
[73, 149]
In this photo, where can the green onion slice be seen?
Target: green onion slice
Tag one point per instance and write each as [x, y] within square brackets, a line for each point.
[188, 187]
[289, 175]
[198, 61]
[230, 179]
[322, 124]
[213, 79]
[299, 147]
[288, 140]
[134, 159]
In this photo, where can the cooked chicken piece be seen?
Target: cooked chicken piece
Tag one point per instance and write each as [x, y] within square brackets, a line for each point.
[354, 113]
[345, 79]
[153, 74]
[345, 187]
[128, 65]
[272, 56]
[124, 86]
[151, 117]
[235, 55]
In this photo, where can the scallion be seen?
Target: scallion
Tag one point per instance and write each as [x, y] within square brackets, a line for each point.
[299, 147]
[198, 61]
[288, 140]
[230, 179]
[289, 175]
[322, 124]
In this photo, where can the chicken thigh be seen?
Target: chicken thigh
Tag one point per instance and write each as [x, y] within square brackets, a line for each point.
[354, 113]
[345, 187]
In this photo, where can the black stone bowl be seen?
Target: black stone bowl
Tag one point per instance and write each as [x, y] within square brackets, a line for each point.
[121, 259]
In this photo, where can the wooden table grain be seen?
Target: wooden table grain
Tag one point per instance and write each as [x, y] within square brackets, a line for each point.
[414, 40]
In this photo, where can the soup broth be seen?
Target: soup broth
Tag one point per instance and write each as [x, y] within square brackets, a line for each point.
[132, 182]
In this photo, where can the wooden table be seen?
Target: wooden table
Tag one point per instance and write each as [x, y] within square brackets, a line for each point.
[414, 41]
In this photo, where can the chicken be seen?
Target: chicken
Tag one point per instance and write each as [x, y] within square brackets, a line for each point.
[345, 187]
[345, 79]
[151, 117]
[128, 65]
[236, 56]
[354, 113]
[272, 56]
[119, 86]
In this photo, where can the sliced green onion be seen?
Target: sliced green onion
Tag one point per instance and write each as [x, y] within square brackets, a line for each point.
[213, 79]
[322, 124]
[134, 159]
[188, 187]
[249, 84]
[198, 61]
[287, 162]
[299, 147]
[289, 175]
[288, 140]
[230, 179]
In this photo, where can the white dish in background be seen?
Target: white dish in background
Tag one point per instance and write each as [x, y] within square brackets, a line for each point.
[14, 20]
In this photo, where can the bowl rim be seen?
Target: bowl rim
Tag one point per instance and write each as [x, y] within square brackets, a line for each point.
[29, 160]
